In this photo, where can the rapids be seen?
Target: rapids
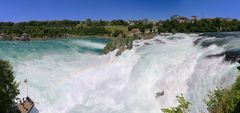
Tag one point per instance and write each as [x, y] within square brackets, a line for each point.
[71, 75]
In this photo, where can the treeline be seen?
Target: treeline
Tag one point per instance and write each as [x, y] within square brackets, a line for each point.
[142, 27]
[63, 28]
[114, 28]
[203, 25]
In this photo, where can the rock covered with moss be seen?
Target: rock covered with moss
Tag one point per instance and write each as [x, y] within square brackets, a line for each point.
[119, 43]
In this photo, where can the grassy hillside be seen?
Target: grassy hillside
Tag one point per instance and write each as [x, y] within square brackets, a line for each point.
[117, 28]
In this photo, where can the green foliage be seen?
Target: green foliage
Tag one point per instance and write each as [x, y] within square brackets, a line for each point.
[53, 29]
[113, 29]
[118, 23]
[203, 25]
[183, 106]
[141, 27]
[8, 88]
[66, 28]
[109, 47]
[117, 33]
[89, 22]
[225, 100]
[119, 43]
[92, 31]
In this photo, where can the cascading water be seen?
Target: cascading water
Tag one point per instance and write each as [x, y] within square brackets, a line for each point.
[70, 76]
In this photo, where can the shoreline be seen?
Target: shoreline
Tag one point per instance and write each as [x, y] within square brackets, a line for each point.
[50, 38]
[105, 37]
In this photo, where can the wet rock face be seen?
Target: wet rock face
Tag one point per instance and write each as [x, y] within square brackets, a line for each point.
[218, 42]
[232, 56]
[120, 51]
[206, 41]
[119, 43]
[229, 56]
[229, 42]
[130, 44]
[221, 34]
[238, 67]
[198, 41]
[24, 39]
[174, 38]
[158, 94]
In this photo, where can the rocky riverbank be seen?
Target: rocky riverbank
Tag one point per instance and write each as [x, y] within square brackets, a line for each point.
[26, 37]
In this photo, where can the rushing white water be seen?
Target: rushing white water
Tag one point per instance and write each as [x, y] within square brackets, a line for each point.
[69, 81]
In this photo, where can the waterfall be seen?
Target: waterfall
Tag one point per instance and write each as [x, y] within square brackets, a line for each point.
[69, 76]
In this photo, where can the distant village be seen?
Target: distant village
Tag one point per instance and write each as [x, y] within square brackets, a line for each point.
[178, 18]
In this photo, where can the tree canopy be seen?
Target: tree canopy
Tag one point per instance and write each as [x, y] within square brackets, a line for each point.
[8, 88]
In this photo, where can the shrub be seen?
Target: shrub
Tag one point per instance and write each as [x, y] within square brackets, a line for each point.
[183, 106]
[225, 100]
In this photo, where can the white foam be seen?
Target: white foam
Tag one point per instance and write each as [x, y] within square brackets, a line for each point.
[87, 83]
[88, 44]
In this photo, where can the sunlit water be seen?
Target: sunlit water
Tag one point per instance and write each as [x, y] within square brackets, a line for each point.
[71, 75]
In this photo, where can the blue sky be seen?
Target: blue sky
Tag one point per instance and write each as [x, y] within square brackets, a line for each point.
[25, 10]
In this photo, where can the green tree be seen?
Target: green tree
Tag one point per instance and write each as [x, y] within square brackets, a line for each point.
[225, 100]
[89, 22]
[8, 88]
[183, 106]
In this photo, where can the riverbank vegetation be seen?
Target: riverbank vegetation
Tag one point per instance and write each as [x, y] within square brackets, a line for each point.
[221, 100]
[8, 88]
[225, 100]
[114, 28]
[203, 25]
[183, 106]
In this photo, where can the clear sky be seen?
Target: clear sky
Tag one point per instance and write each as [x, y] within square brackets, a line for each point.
[25, 10]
